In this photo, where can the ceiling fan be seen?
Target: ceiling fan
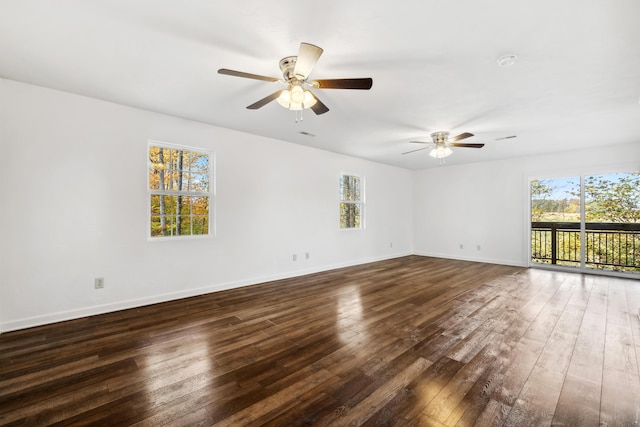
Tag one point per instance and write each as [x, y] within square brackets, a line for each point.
[295, 71]
[441, 145]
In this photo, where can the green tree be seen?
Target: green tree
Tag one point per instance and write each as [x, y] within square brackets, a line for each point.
[540, 192]
[613, 200]
[180, 175]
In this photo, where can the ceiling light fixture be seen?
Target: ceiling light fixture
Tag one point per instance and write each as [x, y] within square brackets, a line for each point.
[507, 60]
[440, 152]
[296, 98]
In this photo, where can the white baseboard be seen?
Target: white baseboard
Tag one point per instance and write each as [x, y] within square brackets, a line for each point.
[29, 322]
[472, 259]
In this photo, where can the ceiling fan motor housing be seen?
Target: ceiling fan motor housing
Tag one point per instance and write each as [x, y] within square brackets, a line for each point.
[287, 65]
[440, 138]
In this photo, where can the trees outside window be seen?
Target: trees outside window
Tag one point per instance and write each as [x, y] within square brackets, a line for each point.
[351, 201]
[612, 198]
[604, 234]
[180, 191]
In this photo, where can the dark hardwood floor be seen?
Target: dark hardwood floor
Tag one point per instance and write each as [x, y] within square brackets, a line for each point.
[411, 341]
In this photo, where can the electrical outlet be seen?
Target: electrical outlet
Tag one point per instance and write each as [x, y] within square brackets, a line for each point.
[390, 244]
[295, 257]
[461, 246]
[307, 255]
[98, 283]
[478, 247]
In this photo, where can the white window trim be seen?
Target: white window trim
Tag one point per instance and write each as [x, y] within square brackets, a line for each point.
[211, 193]
[361, 201]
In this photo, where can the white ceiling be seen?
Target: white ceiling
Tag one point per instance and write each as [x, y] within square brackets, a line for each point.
[576, 82]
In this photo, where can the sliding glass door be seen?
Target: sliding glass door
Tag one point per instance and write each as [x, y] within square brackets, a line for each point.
[589, 222]
[555, 221]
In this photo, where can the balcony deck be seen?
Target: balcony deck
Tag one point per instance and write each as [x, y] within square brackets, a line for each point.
[610, 246]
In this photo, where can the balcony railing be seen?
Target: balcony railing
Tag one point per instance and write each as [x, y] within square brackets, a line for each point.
[612, 246]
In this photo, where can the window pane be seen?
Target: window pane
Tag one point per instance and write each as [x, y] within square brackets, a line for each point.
[612, 198]
[612, 213]
[193, 218]
[200, 205]
[200, 163]
[184, 205]
[555, 221]
[155, 204]
[195, 162]
[349, 215]
[200, 224]
[172, 180]
[157, 226]
[555, 200]
[157, 167]
[163, 225]
[350, 188]
[195, 181]
[168, 204]
[182, 172]
[156, 178]
[184, 225]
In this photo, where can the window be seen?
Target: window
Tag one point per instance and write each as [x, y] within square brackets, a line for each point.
[589, 222]
[180, 191]
[351, 201]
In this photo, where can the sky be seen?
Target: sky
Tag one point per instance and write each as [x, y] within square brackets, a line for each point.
[563, 187]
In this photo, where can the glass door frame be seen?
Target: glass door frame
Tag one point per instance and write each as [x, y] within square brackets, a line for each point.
[582, 268]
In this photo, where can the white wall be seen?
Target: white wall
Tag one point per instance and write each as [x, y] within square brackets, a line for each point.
[74, 207]
[486, 204]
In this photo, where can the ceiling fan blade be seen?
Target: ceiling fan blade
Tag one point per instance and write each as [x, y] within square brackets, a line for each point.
[467, 145]
[246, 75]
[413, 151]
[421, 142]
[308, 55]
[319, 107]
[460, 137]
[363, 83]
[264, 101]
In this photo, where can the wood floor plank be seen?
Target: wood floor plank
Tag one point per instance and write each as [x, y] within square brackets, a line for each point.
[620, 404]
[453, 393]
[579, 403]
[410, 341]
[619, 350]
[494, 414]
[537, 401]
[376, 400]
[409, 404]
[478, 396]
[275, 401]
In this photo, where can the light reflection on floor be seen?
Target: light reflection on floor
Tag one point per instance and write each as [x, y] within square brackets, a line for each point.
[349, 316]
[161, 369]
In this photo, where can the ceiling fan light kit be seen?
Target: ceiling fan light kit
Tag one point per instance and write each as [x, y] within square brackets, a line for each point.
[441, 145]
[440, 152]
[295, 73]
[295, 98]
